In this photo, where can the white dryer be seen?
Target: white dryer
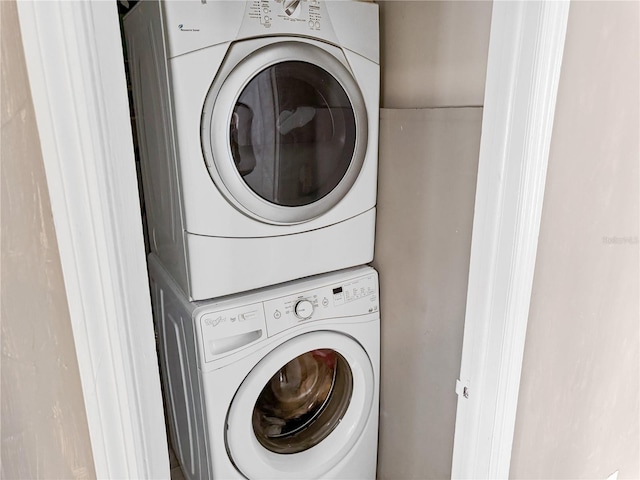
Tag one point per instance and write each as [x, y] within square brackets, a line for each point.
[281, 383]
[258, 127]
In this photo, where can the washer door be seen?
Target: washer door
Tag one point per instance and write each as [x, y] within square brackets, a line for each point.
[284, 132]
[302, 408]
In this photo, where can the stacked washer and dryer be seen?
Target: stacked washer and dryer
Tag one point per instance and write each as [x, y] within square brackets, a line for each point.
[257, 126]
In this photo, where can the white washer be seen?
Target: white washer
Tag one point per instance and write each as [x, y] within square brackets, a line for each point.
[258, 128]
[282, 383]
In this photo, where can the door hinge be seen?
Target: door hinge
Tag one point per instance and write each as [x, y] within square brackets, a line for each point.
[462, 389]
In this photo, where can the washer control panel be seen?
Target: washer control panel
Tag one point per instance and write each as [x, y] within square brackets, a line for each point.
[308, 14]
[225, 331]
[357, 296]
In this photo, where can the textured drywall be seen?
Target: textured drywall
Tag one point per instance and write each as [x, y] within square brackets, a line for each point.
[433, 53]
[426, 193]
[578, 411]
[44, 426]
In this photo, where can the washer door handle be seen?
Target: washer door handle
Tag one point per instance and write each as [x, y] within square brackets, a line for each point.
[224, 345]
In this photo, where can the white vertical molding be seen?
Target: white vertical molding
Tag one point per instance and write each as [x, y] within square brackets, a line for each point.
[76, 73]
[523, 71]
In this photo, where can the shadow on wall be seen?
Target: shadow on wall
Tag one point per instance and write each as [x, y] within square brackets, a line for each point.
[426, 193]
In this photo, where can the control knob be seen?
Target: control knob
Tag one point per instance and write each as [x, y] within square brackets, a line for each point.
[290, 6]
[304, 309]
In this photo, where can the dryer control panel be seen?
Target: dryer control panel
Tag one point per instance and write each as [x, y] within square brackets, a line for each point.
[307, 14]
[354, 297]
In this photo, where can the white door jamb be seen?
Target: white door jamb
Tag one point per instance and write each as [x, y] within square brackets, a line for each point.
[525, 55]
[76, 73]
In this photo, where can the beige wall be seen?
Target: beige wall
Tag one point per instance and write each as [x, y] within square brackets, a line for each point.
[426, 190]
[44, 426]
[578, 412]
[433, 53]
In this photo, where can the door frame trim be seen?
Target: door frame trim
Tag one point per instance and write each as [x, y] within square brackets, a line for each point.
[76, 73]
[75, 67]
[523, 71]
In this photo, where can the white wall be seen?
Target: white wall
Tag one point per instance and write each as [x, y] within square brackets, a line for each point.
[44, 425]
[578, 411]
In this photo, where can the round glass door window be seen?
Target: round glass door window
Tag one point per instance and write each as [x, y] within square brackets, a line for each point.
[284, 130]
[292, 133]
[303, 402]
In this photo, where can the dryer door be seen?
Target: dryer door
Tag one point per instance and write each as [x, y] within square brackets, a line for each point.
[302, 408]
[284, 131]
